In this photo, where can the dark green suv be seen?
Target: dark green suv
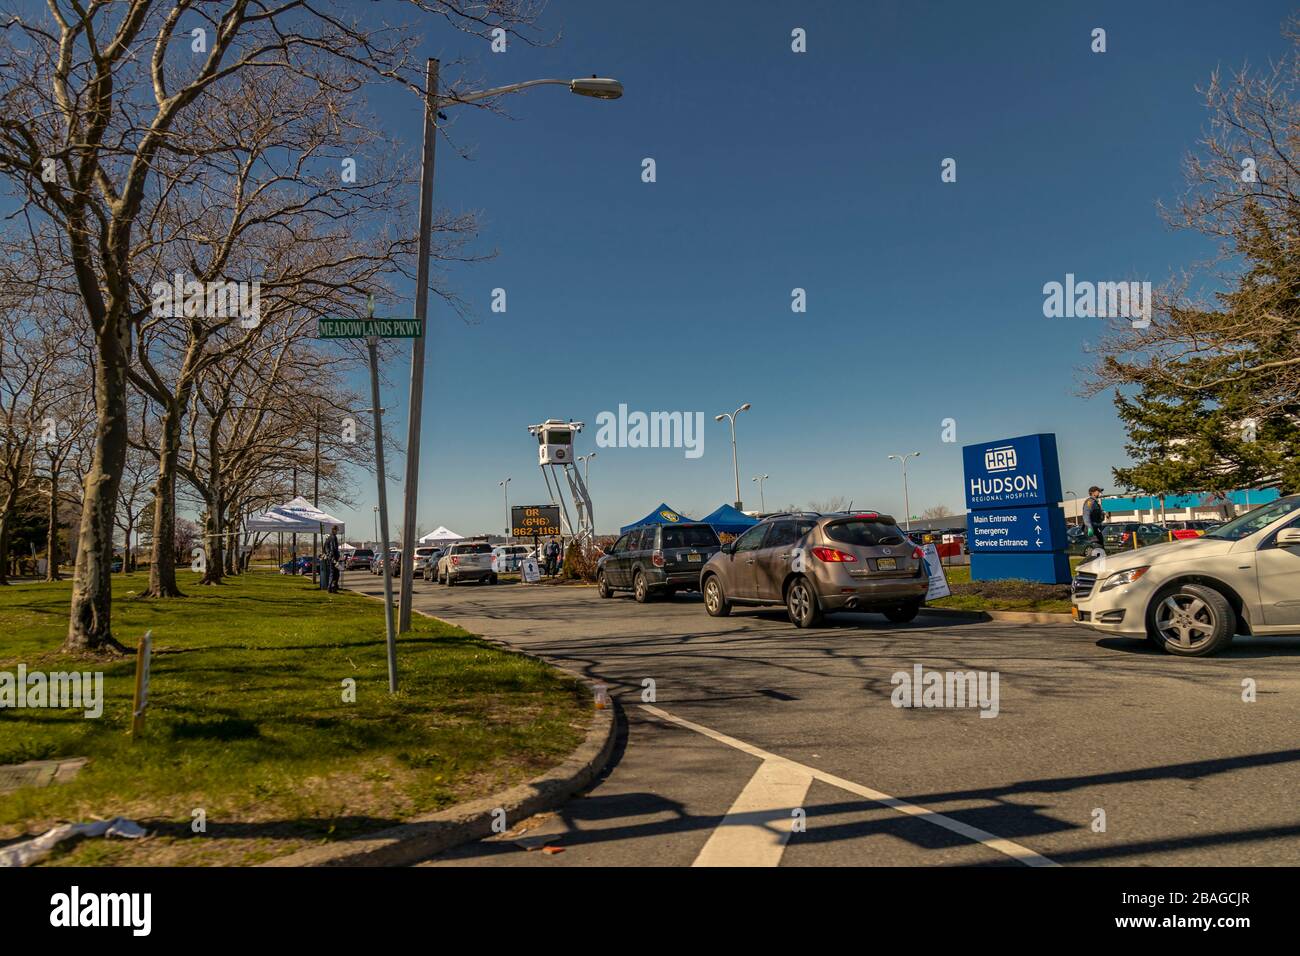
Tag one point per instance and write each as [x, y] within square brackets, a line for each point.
[657, 559]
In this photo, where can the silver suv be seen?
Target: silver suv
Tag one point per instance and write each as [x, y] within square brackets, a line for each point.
[815, 564]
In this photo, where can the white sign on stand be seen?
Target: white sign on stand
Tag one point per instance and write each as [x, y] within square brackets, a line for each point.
[531, 573]
[938, 579]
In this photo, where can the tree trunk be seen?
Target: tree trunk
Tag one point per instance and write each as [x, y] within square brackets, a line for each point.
[212, 544]
[52, 533]
[162, 566]
[90, 616]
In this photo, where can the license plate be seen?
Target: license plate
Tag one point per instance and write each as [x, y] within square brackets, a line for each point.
[697, 558]
[886, 564]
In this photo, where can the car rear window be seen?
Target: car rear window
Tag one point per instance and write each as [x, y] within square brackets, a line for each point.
[473, 549]
[690, 536]
[363, 553]
[864, 533]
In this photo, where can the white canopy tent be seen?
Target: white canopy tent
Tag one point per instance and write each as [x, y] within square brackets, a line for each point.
[297, 516]
[441, 535]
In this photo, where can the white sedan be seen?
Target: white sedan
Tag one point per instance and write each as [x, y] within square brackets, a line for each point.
[1191, 597]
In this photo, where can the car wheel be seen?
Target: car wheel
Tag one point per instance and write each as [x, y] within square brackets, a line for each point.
[1192, 620]
[801, 603]
[492, 579]
[640, 589]
[715, 602]
[904, 612]
[451, 582]
[603, 586]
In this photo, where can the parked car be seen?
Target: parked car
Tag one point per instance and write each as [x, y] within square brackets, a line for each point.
[657, 560]
[1120, 535]
[427, 563]
[422, 553]
[466, 561]
[1189, 529]
[510, 557]
[1190, 598]
[394, 564]
[360, 559]
[303, 564]
[815, 564]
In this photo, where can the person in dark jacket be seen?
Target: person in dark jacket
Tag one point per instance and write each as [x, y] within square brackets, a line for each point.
[329, 567]
[1094, 517]
[552, 557]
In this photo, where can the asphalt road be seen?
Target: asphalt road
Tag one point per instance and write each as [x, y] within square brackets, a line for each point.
[754, 722]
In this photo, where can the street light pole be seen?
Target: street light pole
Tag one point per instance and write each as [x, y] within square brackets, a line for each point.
[505, 488]
[735, 465]
[410, 496]
[907, 505]
[762, 498]
[597, 87]
[586, 467]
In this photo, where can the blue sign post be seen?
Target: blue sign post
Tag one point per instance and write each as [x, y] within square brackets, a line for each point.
[1015, 527]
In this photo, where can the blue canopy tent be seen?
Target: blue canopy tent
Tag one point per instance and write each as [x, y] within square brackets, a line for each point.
[661, 515]
[727, 520]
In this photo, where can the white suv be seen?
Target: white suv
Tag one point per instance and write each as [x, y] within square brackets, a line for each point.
[1190, 597]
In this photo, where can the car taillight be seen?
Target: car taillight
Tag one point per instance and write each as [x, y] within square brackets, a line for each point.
[455, 560]
[918, 554]
[657, 559]
[833, 556]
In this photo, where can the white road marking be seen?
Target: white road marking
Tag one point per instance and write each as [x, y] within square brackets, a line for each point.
[755, 830]
[1014, 850]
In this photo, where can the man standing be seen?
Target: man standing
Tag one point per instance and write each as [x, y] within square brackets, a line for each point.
[329, 568]
[1094, 517]
[552, 557]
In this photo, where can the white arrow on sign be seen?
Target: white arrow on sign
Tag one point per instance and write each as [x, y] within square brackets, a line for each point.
[1039, 542]
[1036, 518]
[1038, 529]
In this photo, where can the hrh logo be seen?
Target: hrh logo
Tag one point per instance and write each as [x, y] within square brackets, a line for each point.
[1002, 458]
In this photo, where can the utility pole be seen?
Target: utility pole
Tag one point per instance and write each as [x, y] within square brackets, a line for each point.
[410, 487]
[907, 507]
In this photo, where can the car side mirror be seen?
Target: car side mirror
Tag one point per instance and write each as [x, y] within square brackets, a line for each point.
[1288, 538]
[729, 548]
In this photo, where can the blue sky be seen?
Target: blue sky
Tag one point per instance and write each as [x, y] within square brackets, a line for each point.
[820, 170]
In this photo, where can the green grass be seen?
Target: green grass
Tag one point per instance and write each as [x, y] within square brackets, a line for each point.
[247, 720]
[1009, 595]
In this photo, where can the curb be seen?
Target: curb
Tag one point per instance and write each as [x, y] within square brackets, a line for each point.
[425, 836]
[1020, 617]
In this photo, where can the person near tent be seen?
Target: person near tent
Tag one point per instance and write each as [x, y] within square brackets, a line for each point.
[329, 571]
[552, 557]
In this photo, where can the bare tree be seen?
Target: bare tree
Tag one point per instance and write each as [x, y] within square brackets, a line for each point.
[95, 98]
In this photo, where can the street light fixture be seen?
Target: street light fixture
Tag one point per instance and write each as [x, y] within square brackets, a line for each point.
[586, 468]
[735, 467]
[762, 498]
[602, 88]
[907, 505]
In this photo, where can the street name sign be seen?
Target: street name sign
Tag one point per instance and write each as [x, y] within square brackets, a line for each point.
[364, 328]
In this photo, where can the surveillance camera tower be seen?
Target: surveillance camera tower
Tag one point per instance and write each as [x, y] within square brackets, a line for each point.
[555, 451]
